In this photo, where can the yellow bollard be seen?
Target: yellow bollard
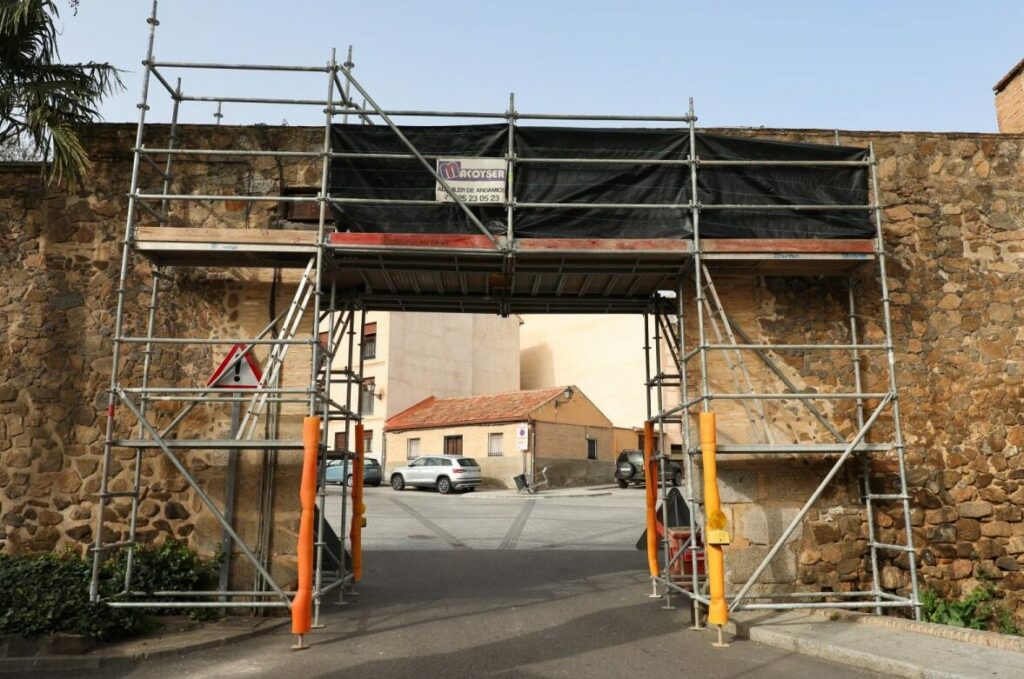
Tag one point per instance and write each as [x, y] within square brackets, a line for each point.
[650, 483]
[358, 508]
[302, 604]
[715, 534]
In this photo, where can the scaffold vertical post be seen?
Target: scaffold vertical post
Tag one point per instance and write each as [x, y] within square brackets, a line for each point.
[126, 251]
[890, 356]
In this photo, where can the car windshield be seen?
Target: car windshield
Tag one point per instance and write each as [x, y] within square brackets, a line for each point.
[370, 462]
[636, 457]
[467, 462]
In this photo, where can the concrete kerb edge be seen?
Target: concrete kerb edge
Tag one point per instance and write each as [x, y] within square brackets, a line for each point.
[759, 629]
[100, 660]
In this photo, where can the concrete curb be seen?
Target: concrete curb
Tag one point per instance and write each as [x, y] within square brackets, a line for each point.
[842, 654]
[777, 631]
[129, 653]
[1002, 642]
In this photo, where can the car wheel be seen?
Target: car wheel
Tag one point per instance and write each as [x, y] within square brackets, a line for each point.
[444, 485]
[677, 478]
[622, 483]
[397, 482]
[348, 481]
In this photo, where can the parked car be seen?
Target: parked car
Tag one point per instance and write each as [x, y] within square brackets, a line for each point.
[629, 468]
[444, 472]
[373, 475]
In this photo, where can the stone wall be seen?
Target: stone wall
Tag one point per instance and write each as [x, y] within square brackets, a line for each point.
[955, 234]
[955, 210]
[60, 257]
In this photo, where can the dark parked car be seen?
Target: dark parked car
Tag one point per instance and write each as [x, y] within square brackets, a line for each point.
[372, 473]
[629, 468]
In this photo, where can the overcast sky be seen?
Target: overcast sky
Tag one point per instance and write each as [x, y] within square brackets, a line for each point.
[878, 64]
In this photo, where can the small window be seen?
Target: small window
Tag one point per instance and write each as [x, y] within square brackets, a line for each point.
[412, 449]
[453, 445]
[370, 340]
[368, 395]
[368, 441]
[494, 445]
[340, 442]
[591, 449]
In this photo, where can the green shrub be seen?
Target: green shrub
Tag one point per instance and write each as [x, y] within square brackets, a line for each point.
[49, 593]
[977, 610]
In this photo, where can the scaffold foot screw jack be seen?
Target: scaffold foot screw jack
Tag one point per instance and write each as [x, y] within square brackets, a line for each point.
[299, 644]
[720, 643]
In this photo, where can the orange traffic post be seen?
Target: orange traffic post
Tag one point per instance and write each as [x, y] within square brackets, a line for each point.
[302, 604]
[650, 476]
[358, 508]
[715, 533]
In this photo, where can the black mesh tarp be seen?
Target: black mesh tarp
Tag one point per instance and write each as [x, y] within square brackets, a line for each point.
[592, 187]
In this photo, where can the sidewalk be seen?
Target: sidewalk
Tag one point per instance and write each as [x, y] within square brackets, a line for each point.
[554, 493]
[887, 645]
[161, 644]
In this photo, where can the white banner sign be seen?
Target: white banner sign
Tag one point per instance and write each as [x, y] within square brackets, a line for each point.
[523, 437]
[474, 180]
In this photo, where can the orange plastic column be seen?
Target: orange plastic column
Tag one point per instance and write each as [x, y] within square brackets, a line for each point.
[358, 508]
[718, 612]
[650, 483]
[302, 605]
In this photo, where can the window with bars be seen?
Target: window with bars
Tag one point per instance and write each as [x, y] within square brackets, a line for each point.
[591, 449]
[412, 449]
[495, 445]
[370, 340]
[368, 395]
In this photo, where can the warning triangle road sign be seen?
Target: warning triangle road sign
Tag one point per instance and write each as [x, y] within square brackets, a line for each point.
[238, 370]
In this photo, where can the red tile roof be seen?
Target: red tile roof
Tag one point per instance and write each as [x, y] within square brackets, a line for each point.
[512, 406]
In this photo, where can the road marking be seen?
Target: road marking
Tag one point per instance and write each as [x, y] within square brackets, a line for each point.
[516, 529]
[440, 532]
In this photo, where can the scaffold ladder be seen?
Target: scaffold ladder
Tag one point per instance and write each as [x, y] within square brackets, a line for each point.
[759, 427]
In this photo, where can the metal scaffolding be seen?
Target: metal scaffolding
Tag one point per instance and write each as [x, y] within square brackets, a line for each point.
[668, 315]
[342, 276]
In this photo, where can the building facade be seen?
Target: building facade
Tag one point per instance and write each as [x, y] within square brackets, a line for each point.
[408, 357]
[1009, 92]
[519, 432]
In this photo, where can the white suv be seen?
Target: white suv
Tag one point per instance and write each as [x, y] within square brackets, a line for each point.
[444, 472]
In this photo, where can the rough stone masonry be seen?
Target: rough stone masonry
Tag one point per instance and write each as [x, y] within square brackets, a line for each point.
[955, 232]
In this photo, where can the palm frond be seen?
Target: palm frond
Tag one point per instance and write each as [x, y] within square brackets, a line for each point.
[43, 101]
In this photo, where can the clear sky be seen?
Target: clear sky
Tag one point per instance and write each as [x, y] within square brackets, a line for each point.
[872, 64]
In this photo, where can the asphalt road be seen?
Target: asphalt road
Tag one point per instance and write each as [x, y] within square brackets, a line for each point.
[415, 519]
[464, 587]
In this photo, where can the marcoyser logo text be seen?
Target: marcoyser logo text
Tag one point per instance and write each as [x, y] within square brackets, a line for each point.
[452, 171]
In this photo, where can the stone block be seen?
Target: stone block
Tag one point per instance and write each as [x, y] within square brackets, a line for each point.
[993, 529]
[763, 525]
[974, 510]
[737, 485]
[740, 565]
[968, 529]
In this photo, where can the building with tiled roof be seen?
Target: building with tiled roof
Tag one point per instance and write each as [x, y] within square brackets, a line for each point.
[510, 433]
